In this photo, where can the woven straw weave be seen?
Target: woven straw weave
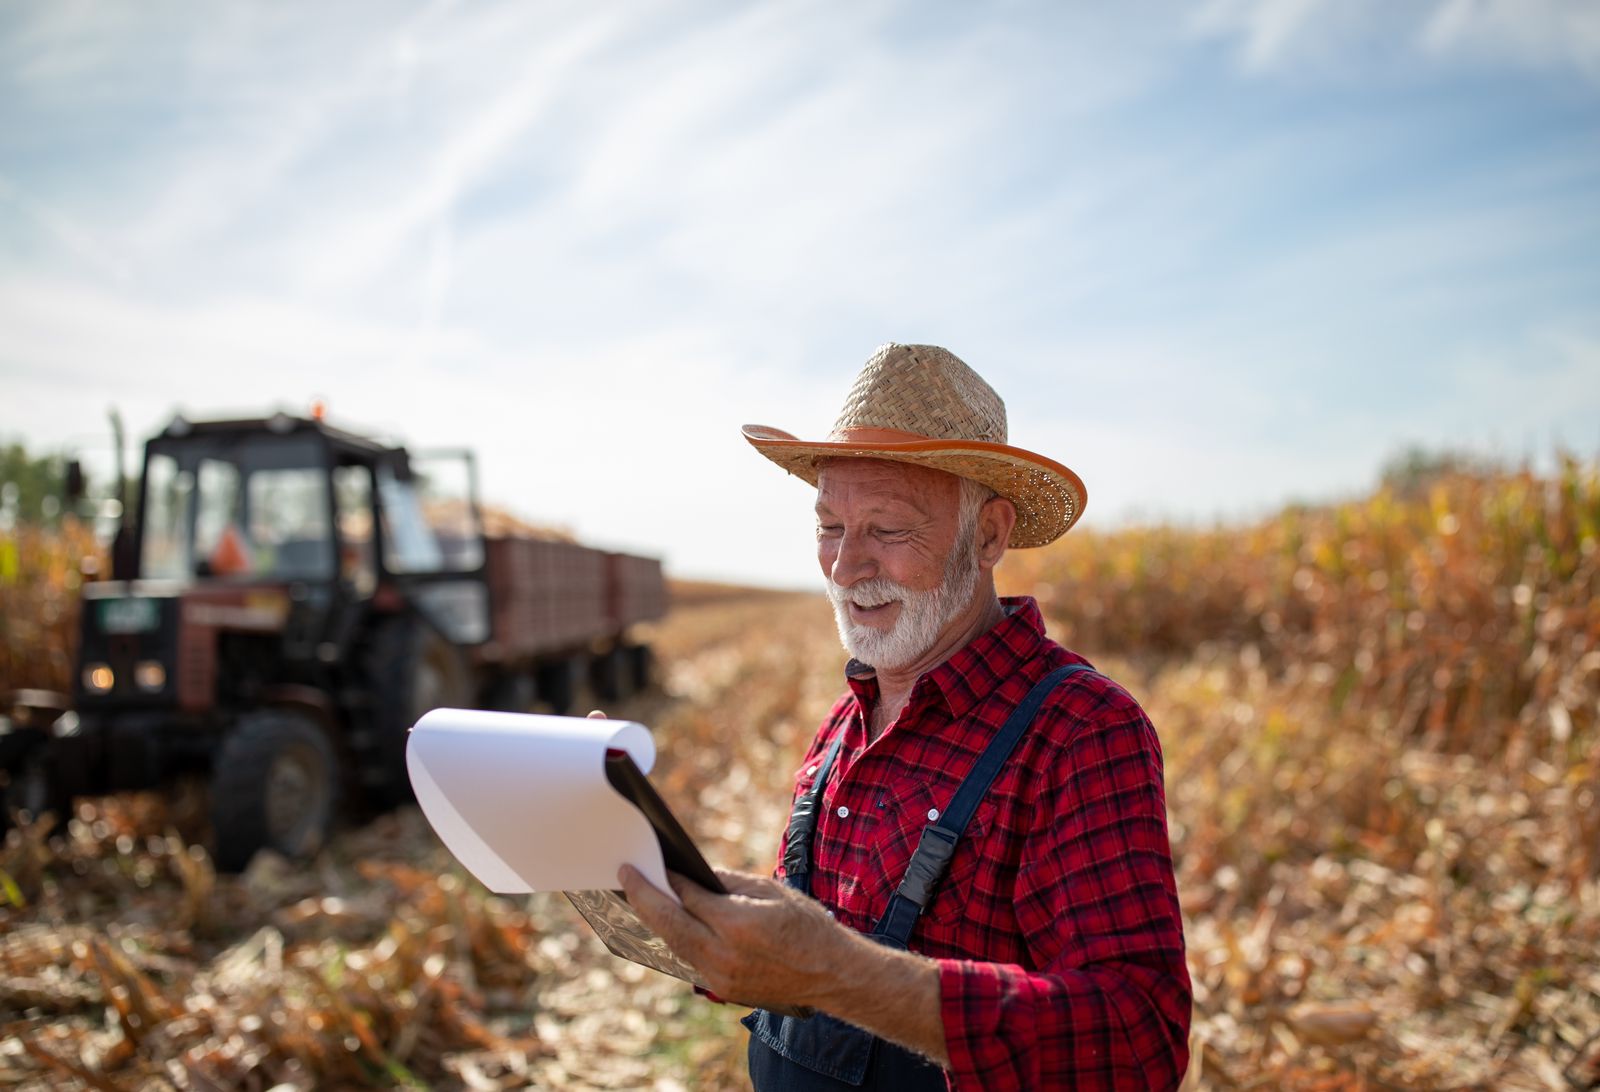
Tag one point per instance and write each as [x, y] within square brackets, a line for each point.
[926, 390]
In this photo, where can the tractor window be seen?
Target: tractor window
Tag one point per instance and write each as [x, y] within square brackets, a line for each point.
[288, 523]
[352, 498]
[429, 522]
[241, 505]
[168, 492]
[408, 542]
[218, 534]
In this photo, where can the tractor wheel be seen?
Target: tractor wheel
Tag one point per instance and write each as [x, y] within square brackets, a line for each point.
[273, 786]
[33, 790]
[412, 669]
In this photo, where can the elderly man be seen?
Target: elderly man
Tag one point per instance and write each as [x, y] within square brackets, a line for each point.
[975, 888]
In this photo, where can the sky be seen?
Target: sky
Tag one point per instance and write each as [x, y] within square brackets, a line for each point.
[1215, 255]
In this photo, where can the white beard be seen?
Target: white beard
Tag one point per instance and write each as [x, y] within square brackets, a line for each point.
[923, 614]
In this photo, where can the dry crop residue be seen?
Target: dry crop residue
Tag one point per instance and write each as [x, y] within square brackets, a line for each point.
[126, 963]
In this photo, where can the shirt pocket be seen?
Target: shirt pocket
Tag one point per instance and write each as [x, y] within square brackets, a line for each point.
[871, 835]
[902, 815]
[956, 894]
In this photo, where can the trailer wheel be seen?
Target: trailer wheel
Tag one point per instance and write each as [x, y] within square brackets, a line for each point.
[610, 675]
[274, 786]
[513, 693]
[557, 683]
[641, 666]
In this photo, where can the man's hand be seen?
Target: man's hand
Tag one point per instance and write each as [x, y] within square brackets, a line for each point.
[762, 944]
[766, 945]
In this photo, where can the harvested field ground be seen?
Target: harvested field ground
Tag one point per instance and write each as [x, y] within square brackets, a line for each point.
[1380, 725]
[130, 965]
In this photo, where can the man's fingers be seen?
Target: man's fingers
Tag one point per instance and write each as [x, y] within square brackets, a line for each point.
[644, 896]
[666, 918]
[743, 883]
[696, 899]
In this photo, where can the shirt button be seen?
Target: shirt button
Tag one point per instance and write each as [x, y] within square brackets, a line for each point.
[811, 770]
[844, 812]
[933, 813]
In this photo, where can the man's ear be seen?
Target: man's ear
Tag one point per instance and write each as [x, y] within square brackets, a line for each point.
[995, 520]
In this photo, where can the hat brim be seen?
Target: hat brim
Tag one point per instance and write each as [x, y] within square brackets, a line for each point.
[1048, 497]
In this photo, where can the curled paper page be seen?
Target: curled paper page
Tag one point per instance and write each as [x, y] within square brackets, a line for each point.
[523, 801]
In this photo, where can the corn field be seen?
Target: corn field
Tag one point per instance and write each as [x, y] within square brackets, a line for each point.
[40, 572]
[1383, 771]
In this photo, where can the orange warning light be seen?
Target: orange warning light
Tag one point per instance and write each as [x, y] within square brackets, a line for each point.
[319, 410]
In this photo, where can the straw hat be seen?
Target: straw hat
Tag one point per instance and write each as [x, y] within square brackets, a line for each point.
[920, 404]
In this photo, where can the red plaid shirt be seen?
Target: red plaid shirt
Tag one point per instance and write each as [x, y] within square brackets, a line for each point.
[1056, 928]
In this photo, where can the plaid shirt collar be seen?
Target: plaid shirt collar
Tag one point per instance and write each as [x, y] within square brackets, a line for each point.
[975, 670]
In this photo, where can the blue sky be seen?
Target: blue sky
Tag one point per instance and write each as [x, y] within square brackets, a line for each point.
[1214, 255]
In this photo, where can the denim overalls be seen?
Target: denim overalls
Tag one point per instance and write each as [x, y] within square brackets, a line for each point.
[817, 1053]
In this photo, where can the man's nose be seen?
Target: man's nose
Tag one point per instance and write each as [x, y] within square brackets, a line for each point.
[854, 560]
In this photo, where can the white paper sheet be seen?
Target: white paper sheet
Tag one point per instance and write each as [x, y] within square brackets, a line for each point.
[523, 802]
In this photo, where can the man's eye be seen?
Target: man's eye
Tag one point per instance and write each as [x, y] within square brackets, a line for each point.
[828, 529]
[890, 532]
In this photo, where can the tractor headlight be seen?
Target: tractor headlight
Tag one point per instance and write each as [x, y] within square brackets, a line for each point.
[150, 675]
[98, 679]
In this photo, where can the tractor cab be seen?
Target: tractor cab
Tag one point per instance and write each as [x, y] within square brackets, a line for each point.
[294, 502]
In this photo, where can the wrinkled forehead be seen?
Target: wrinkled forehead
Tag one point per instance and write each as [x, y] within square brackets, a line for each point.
[886, 483]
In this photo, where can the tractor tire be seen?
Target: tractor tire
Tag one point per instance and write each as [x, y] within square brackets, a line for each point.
[412, 668]
[274, 785]
[33, 790]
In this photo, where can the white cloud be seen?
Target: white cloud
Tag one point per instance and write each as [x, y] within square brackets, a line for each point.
[1538, 33]
[1280, 35]
[1274, 35]
[488, 129]
[1268, 29]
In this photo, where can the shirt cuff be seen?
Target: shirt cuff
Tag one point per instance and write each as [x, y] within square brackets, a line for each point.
[970, 999]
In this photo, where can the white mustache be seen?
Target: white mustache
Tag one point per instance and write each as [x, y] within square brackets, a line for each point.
[876, 592]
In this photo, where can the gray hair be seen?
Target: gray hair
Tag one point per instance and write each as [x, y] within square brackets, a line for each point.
[974, 495]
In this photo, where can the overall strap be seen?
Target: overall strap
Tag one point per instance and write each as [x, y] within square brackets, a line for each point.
[803, 825]
[938, 843]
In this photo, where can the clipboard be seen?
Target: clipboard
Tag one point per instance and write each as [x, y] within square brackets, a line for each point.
[472, 771]
[677, 848]
[608, 912]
